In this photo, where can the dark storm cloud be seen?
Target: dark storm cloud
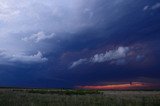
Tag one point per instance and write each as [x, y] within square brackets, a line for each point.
[77, 34]
[123, 24]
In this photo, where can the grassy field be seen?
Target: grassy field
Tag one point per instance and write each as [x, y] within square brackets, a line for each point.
[60, 97]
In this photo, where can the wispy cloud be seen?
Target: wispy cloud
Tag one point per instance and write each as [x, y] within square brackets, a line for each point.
[156, 6]
[146, 8]
[152, 7]
[40, 36]
[77, 63]
[117, 55]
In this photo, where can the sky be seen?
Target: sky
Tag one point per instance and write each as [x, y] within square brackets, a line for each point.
[77, 43]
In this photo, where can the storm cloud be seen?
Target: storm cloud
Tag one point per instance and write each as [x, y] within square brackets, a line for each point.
[63, 43]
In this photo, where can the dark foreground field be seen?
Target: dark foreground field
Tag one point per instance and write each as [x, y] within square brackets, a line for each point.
[48, 97]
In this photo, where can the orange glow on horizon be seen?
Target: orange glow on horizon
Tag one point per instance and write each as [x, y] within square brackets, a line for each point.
[133, 85]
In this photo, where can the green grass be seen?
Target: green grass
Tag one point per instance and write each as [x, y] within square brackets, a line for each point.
[53, 97]
[64, 92]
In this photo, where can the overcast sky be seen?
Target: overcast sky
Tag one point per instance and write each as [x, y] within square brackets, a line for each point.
[68, 43]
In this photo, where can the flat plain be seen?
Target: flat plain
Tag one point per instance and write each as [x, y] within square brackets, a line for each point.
[61, 97]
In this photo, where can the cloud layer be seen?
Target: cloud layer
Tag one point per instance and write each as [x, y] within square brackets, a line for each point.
[121, 52]
[7, 58]
[40, 36]
[25, 24]
[117, 55]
